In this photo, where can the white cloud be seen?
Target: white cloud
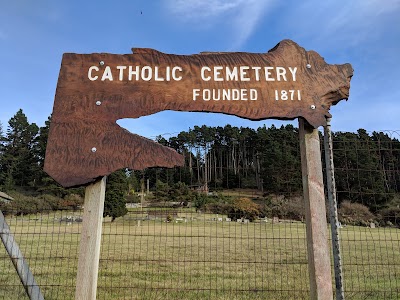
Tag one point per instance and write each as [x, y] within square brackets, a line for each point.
[363, 16]
[193, 10]
[242, 16]
[350, 22]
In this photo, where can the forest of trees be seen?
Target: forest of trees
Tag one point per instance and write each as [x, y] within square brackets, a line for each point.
[218, 158]
[367, 166]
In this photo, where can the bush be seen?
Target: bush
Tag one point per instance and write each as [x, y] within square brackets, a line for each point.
[282, 207]
[72, 201]
[134, 198]
[162, 192]
[355, 214]
[22, 205]
[28, 204]
[390, 214]
[218, 208]
[215, 203]
[54, 202]
[200, 200]
[243, 208]
[181, 193]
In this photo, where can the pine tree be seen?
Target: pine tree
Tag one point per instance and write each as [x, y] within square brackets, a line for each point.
[1, 134]
[359, 171]
[44, 183]
[19, 164]
[42, 141]
[116, 188]
[162, 192]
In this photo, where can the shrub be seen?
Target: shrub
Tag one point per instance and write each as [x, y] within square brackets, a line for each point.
[134, 198]
[200, 200]
[215, 203]
[29, 204]
[22, 205]
[282, 207]
[355, 214]
[390, 214]
[217, 208]
[162, 192]
[72, 201]
[180, 192]
[169, 219]
[243, 208]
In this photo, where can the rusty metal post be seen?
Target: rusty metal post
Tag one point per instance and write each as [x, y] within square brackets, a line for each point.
[319, 263]
[21, 266]
[333, 213]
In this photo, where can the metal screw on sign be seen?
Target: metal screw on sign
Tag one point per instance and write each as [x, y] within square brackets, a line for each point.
[94, 149]
[98, 103]
[313, 106]
[308, 66]
[101, 63]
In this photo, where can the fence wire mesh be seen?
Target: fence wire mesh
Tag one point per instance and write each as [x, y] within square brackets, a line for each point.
[202, 250]
[49, 242]
[202, 256]
[367, 169]
[193, 256]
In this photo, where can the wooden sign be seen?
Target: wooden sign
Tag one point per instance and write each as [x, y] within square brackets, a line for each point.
[96, 90]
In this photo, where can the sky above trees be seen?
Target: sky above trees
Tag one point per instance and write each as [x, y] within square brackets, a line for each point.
[34, 35]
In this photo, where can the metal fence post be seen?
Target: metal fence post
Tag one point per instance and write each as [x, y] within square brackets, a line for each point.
[333, 213]
[19, 262]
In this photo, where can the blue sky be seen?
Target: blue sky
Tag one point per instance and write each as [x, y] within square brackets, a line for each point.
[365, 33]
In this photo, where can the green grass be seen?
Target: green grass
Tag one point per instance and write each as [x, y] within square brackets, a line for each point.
[198, 259]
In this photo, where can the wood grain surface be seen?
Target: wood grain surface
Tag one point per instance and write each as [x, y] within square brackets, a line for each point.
[79, 124]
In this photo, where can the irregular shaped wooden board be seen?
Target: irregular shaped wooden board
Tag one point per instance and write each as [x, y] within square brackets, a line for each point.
[96, 90]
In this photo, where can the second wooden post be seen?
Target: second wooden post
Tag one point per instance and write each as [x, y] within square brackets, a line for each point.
[319, 262]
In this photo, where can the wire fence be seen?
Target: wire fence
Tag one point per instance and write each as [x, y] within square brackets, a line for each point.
[193, 256]
[367, 168]
[174, 251]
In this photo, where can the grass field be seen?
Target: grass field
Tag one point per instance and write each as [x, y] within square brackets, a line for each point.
[202, 258]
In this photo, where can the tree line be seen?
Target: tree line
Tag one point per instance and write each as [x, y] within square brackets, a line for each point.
[367, 166]
[219, 158]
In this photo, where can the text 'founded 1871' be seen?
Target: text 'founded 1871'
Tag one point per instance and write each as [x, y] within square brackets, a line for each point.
[215, 74]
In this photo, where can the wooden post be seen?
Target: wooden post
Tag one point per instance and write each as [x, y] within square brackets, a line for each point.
[89, 248]
[319, 263]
